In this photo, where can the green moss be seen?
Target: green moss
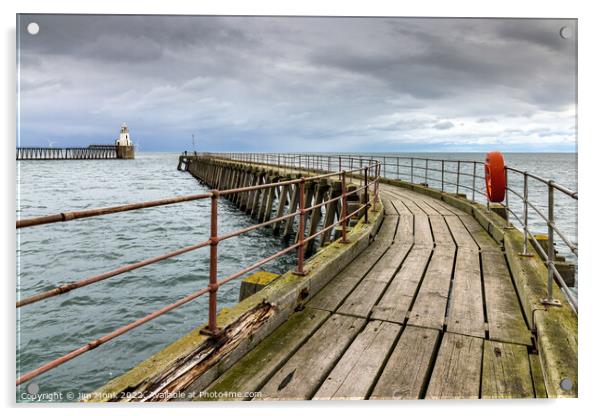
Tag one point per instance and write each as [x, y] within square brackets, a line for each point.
[262, 278]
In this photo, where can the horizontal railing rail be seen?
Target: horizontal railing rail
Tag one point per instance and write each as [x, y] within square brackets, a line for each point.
[366, 170]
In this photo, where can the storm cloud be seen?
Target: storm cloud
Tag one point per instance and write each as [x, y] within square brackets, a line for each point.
[298, 83]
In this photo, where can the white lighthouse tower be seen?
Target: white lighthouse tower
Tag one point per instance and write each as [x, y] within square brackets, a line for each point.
[125, 147]
[124, 136]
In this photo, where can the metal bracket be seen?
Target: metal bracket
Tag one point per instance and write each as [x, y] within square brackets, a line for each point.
[525, 254]
[213, 334]
[550, 302]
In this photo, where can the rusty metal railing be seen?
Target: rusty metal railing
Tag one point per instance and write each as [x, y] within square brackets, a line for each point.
[365, 170]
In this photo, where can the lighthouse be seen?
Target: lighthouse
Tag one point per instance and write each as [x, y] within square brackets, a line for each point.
[125, 147]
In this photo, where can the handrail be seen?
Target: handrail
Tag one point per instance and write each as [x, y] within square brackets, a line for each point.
[368, 169]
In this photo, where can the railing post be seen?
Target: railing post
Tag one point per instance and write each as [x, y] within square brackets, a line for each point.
[442, 175]
[507, 201]
[301, 239]
[213, 286]
[397, 167]
[344, 209]
[385, 165]
[366, 196]
[411, 169]
[458, 179]
[549, 299]
[525, 252]
[474, 178]
[351, 169]
[426, 173]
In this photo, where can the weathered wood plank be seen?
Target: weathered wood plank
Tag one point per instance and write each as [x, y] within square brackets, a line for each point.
[405, 230]
[446, 209]
[466, 315]
[256, 367]
[331, 296]
[429, 308]
[405, 373]
[388, 205]
[400, 206]
[506, 371]
[479, 234]
[398, 296]
[426, 207]
[355, 373]
[506, 321]
[461, 235]
[457, 371]
[442, 234]
[302, 374]
[369, 290]
[413, 207]
[422, 231]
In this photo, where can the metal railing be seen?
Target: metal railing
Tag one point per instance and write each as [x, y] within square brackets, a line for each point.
[464, 177]
[365, 170]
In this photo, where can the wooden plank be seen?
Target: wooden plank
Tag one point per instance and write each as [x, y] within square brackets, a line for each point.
[466, 315]
[441, 232]
[386, 233]
[395, 303]
[333, 294]
[369, 290]
[302, 374]
[461, 235]
[479, 234]
[405, 230]
[506, 371]
[400, 207]
[405, 373]
[388, 205]
[413, 207]
[457, 371]
[356, 371]
[427, 208]
[446, 209]
[506, 321]
[429, 308]
[256, 367]
[422, 231]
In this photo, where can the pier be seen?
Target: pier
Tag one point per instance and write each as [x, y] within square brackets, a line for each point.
[94, 151]
[415, 279]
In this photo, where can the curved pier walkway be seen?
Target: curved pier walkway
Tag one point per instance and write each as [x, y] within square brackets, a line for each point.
[428, 310]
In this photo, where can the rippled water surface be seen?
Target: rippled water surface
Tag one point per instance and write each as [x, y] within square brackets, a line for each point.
[49, 255]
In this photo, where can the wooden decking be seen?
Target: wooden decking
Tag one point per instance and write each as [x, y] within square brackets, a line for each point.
[428, 310]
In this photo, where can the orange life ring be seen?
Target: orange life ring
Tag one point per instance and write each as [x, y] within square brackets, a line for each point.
[495, 177]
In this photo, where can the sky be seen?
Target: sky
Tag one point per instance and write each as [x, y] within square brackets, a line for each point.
[291, 84]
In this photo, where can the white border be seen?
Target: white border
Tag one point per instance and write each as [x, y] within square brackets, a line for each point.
[590, 178]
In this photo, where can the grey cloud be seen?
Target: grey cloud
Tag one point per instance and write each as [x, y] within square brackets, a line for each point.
[443, 125]
[302, 78]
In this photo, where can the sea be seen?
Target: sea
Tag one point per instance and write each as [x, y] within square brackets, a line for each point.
[55, 254]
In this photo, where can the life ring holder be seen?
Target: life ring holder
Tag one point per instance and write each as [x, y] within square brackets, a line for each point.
[495, 177]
